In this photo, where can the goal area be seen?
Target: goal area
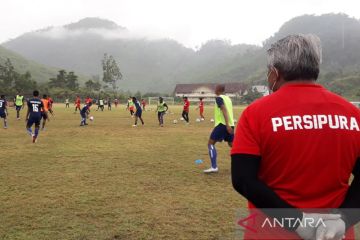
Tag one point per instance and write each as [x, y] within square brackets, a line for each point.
[155, 100]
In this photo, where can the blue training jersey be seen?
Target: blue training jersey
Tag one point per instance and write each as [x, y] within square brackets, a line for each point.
[35, 105]
[84, 109]
[137, 105]
[2, 105]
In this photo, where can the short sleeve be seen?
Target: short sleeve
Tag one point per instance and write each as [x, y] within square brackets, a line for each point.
[245, 141]
[219, 101]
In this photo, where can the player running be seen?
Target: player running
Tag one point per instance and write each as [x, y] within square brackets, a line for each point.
[3, 110]
[50, 107]
[19, 104]
[77, 104]
[161, 109]
[224, 125]
[84, 112]
[44, 111]
[185, 113]
[33, 115]
[138, 111]
[201, 109]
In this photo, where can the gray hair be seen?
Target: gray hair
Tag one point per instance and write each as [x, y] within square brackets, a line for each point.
[296, 57]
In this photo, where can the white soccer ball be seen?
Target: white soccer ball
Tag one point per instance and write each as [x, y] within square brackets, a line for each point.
[91, 118]
[235, 121]
[182, 119]
[198, 120]
[212, 120]
[202, 119]
[175, 121]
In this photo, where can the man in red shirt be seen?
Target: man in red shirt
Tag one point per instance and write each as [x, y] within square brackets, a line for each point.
[143, 103]
[297, 148]
[51, 102]
[77, 104]
[185, 113]
[88, 101]
[201, 109]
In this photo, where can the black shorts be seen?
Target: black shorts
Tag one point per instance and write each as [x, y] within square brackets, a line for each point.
[18, 108]
[220, 134]
[34, 120]
[138, 113]
[44, 116]
[2, 115]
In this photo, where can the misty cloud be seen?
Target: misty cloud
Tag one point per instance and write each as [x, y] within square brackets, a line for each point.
[107, 34]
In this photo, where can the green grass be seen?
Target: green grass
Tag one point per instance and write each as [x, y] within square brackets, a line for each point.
[111, 181]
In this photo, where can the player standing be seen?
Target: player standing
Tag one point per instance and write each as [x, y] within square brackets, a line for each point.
[101, 104]
[116, 102]
[224, 125]
[297, 148]
[77, 104]
[138, 111]
[33, 115]
[161, 109]
[201, 109]
[88, 101]
[44, 111]
[109, 104]
[3, 110]
[143, 103]
[67, 103]
[19, 104]
[130, 106]
[185, 113]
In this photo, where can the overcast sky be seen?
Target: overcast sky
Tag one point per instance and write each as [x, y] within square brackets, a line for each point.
[190, 22]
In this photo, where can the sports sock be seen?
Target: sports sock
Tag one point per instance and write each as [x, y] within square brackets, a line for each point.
[213, 155]
[29, 130]
[36, 132]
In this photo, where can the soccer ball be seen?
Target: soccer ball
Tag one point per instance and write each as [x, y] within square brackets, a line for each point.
[91, 118]
[198, 120]
[182, 119]
[235, 121]
[212, 120]
[202, 119]
[175, 121]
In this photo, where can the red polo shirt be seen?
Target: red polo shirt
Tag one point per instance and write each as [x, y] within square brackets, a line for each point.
[309, 141]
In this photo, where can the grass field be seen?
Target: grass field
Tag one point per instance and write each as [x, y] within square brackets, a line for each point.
[112, 181]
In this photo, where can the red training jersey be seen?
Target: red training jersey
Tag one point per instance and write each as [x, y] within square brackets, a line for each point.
[186, 105]
[201, 105]
[308, 139]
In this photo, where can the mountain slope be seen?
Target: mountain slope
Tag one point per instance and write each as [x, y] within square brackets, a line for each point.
[41, 73]
[157, 65]
[147, 65]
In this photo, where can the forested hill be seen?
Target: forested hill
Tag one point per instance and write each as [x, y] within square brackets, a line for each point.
[158, 64]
